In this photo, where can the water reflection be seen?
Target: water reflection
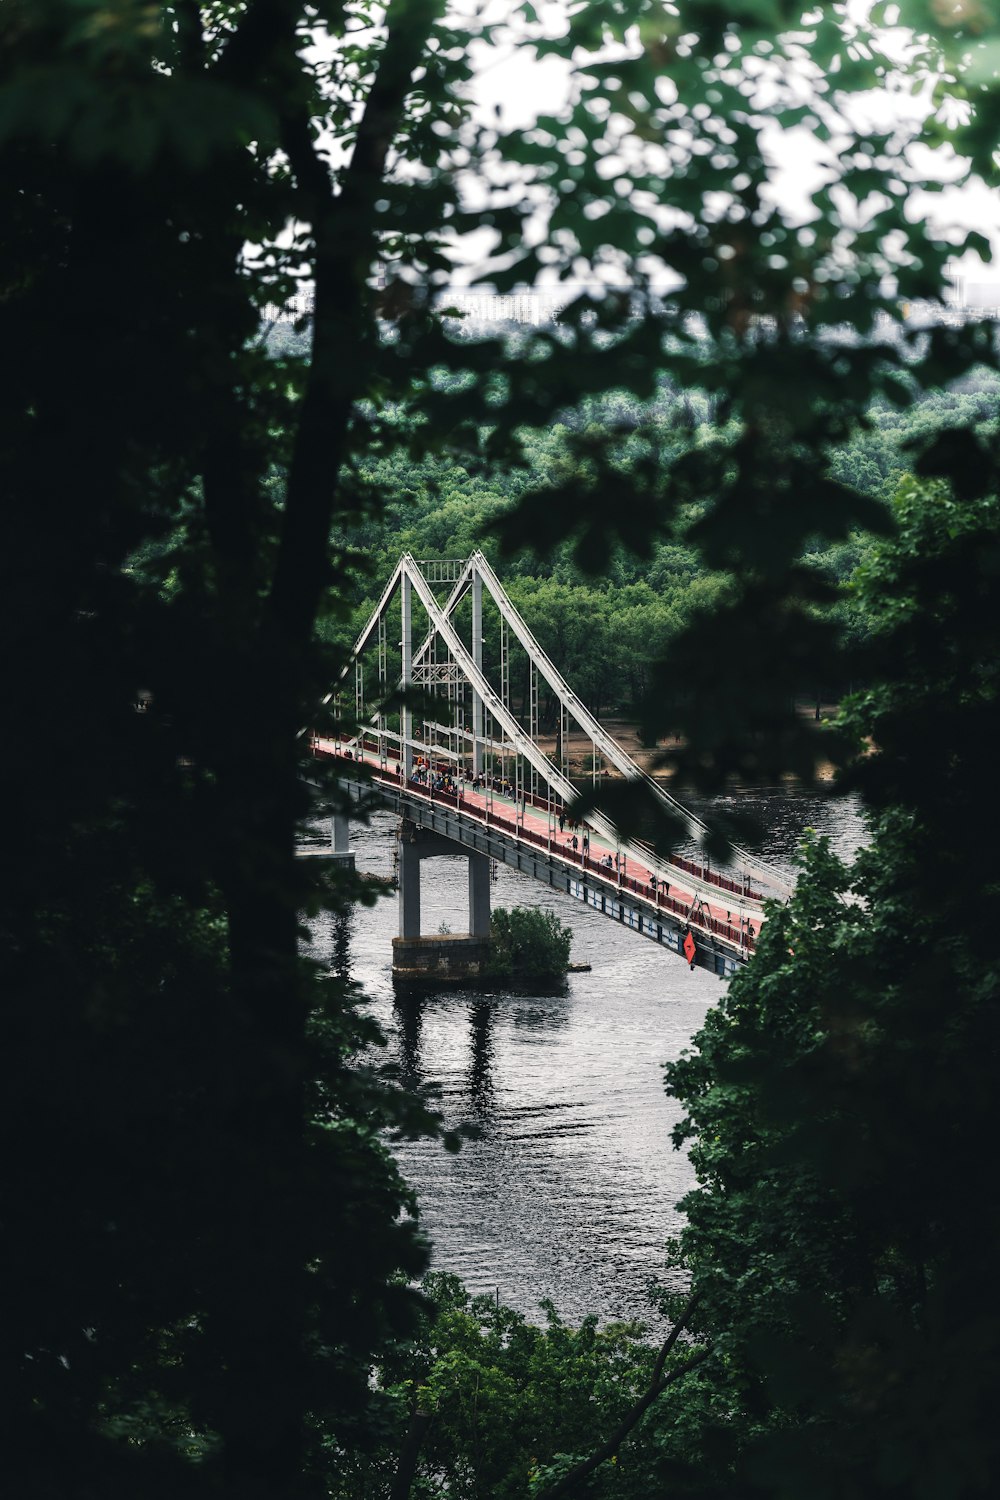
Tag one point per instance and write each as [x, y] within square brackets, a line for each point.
[408, 1005]
[537, 1016]
[534, 1018]
[481, 1058]
[341, 929]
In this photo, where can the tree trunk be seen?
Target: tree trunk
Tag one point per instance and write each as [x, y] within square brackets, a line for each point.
[409, 1455]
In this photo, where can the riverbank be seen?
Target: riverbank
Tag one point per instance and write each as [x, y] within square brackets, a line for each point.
[649, 758]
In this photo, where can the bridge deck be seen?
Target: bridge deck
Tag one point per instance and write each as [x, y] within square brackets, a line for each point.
[725, 919]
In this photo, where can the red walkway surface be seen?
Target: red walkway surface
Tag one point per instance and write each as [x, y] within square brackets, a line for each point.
[531, 827]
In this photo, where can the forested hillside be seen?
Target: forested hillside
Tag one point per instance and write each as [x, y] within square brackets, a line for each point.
[606, 620]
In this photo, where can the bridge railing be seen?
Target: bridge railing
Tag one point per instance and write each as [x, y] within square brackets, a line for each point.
[615, 881]
[712, 877]
[704, 873]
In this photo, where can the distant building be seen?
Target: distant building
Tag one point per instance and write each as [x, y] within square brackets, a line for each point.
[476, 307]
[483, 307]
[982, 298]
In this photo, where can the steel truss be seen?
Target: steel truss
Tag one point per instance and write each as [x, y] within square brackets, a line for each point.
[496, 732]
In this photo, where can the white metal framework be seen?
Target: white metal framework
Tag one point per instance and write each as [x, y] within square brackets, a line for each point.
[443, 666]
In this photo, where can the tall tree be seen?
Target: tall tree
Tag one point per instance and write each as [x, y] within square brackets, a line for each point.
[201, 1225]
[839, 1099]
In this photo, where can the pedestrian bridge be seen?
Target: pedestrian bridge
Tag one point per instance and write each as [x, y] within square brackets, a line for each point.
[469, 775]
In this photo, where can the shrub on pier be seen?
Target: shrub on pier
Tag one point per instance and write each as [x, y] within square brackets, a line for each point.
[528, 946]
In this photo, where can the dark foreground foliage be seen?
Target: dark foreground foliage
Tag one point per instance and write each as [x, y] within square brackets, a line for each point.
[840, 1109]
[484, 1402]
[206, 1243]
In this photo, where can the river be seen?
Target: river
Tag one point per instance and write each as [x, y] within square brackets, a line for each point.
[570, 1192]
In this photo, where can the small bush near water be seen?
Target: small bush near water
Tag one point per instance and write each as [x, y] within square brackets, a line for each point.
[528, 945]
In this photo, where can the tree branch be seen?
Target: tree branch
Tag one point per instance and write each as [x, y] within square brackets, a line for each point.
[343, 332]
[406, 1468]
[190, 34]
[265, 26]
[657, 1385]
[673, 1335]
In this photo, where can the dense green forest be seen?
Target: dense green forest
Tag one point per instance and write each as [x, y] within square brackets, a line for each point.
[606, 630]
[211, 1273]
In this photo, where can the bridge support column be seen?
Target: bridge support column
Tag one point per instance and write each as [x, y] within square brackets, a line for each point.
[445, 956]
[408, 874]
[340, 836]
[479, 896]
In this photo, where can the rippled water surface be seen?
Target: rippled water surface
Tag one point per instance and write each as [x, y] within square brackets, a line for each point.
[570, 1192]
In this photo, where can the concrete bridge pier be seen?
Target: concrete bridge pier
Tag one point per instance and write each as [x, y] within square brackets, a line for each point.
[446, 955]
[340, 839]
[479, 896]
